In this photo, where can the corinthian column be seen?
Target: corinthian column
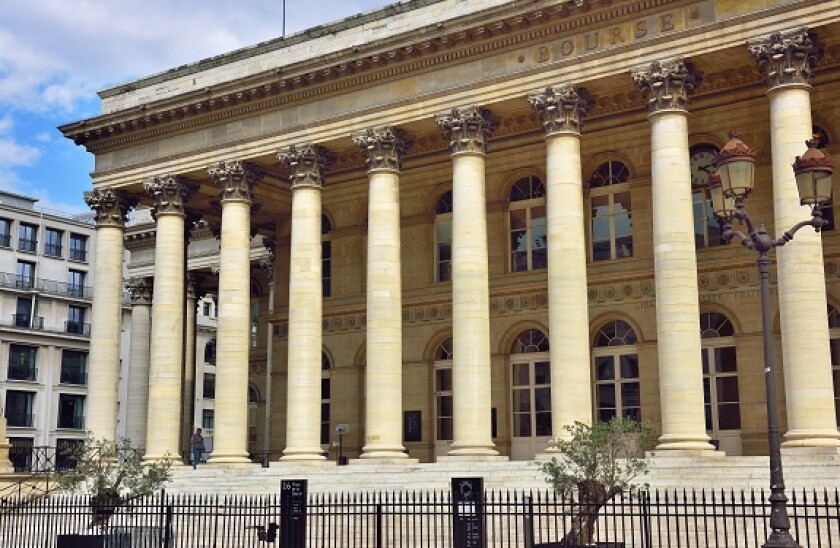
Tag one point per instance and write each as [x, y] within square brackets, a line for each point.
[786, 59]
[140, 290]
[666, 87]
[163, 425]
[188, 372]
[110, 207]
[561, 110]
[230, 439]
[468, 130]
[383, 147]
[305, 164]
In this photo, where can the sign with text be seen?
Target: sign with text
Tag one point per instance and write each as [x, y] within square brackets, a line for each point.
[293, 513]
[412, 426]
[468, 513]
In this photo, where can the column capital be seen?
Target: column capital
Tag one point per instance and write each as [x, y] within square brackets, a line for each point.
[170, 193]
[786, 57]
[140, 291]
[384, 147]
[110, 206]
[306, 163]
[561, 108]
[235, 178]
[467, 128]
[666, 85]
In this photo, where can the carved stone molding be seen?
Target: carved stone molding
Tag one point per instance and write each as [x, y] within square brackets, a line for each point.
[110, 206]
[170, 193]
[383, 147]
[235, 178]
[666, 85]
[140, 291]
[786, 57]
[467, 128]
[561, 108]
[306, 164]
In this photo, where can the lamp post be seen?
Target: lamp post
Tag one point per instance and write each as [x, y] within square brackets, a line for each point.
[728, 189]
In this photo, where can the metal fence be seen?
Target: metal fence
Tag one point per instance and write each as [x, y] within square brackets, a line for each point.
[648, 519]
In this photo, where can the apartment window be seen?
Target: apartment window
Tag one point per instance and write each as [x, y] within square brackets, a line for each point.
[443, 238]
[209, 389]
[27, 237]
[76, 283]
[25, 314]
[73, 367]
[611, 225]
[25, 275]
[5, 232]
[76, 321]
[443, 392]
[210, 352]
[78, 247]
[208, 419]
[205, 308]
[326, 256]
[325, 398]
[22, 363]
[616, 372]
[52, 242]
[71, 411]
[527, 225]
[19, 406]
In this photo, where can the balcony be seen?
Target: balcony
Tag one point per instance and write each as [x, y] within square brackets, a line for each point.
[78, 255]
[20, 420]
[73, 375]
[53, 250]
[71, 422]
[25, 282]
[5, 240]
[48, 287]
[77, 328]
[22, 372]
[25, 244]
[26, 321]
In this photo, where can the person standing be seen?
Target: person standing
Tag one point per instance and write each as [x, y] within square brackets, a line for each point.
[197, 444]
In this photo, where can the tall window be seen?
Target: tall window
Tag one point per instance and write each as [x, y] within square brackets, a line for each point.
[443, 391]
[75, 283]
[78, 247]
[208, 420]
[5, 232]
[52, 242]
[326, 256]
[834, 340]
[720, 374]
[707, 228]
[73, 367]
[527, 225]
[210, 352]
[19, 406]
[611, 224]
[325, 398]
[25, 314]
[616, 372]
[209, 386]
[76, 321]
[71, 411]
[27, 237]
[531, 385]
[22, 363]
[25, 275]
[443, 237]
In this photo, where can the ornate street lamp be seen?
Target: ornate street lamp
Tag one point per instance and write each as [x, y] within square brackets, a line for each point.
[735, 164]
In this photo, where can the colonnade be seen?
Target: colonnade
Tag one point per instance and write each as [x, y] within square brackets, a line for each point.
[784, 58]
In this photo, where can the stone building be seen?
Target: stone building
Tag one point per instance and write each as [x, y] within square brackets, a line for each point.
[487, 221]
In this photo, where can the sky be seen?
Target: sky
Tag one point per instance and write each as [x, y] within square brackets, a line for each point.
[56, 54]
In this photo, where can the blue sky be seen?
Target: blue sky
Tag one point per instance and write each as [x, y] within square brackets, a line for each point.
[56, 54]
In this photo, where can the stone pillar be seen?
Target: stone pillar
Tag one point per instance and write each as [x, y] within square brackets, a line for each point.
[786, 59]
[561, 110]
[110, 207]
[5, 464]
[230, 435]
[666, 87]
[137, 403]
[305, 164]
[468, 130]
[188, 372]
[383, 147]
[163, 425]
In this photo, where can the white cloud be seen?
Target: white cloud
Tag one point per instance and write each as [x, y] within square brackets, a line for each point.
[13, 154]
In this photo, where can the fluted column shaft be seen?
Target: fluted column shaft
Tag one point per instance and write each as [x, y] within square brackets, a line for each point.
[138, 362]
[561, 110]
[786, 60]
[188, 382]
[666, 86]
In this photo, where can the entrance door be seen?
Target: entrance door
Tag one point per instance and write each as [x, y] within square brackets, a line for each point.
[443, 398]
[530, 395]
[720, 382]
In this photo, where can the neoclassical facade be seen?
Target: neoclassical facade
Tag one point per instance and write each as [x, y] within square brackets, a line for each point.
[485, 221]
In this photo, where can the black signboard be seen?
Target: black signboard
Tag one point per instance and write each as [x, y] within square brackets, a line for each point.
[468, 513]
[293, 513]
[412, 426]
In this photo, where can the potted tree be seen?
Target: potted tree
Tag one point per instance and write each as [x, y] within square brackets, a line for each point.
[595, 464]
[113, 474]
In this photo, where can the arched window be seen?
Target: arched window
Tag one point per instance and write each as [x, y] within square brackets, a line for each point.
[443, 237]
[326, 256]
[527, 225]
[707, 228]
[530, 391]
[720, 381]
[834, 341]
[326, 366]
[611, 225]
[616, 371]
[443, 395]
[210, 352]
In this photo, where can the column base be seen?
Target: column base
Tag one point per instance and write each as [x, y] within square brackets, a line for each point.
[471, 458]
[229, 458]
[303, 454]
[811, 438]
[467, 449]
[175, 462]
[363, 461]
[383, 452]
[674, 442]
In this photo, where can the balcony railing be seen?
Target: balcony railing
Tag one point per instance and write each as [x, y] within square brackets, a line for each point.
[73, 375]
[52, 249]
[78, 254]
[20, 419]
[77, 328]
[25, 244]
[22, 372]
[49, 287]
[28, 322]
[5, 240]
[24, 282]
[71, 422]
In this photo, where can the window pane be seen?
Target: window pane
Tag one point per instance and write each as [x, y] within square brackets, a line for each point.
[725, 359]
[522, 400]
[729, 416]
[708, 410]
[606, 415]
[444, 272]
[520, 375]
[606, 395]
[542, 373]
[543, 424]
[325, 389]
[443, 382]
[538, 230]
[705, 353]
[727, 389]
[539, 259]
[522, 426]
[604, 368]
[542, 399]
[444, 428]
[444, 406]
[444, 251]
[835, 351]
[634, 414]
[600, 228]
[630, 394]
[629, 366]
[518, 219]
[519, 261]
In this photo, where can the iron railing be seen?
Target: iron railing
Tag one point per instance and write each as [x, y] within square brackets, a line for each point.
[73, 374]
[648, 519]
[26, 244]
[27, 322]
[77, 328]
[53, 250]
[78, 254]
[22, 372]
[49, 287]
[25, 420]
[72, 422]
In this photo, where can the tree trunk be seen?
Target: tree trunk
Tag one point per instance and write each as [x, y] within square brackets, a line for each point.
[591, 497]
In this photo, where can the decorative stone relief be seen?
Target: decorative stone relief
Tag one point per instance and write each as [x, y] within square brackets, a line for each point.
[383, 147]
[170, 193]
[110, 206]
[786, 57]
[561, 108]
[467, 128]
[235, 178]
[306, 164]
[666, 85]
[140, 291]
